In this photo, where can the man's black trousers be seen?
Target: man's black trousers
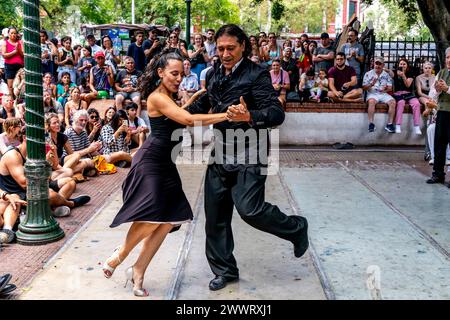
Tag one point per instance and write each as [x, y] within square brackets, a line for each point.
[441, 140]
[245, 190]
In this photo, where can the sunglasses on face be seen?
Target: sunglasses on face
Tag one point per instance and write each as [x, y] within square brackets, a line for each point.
[94, 117]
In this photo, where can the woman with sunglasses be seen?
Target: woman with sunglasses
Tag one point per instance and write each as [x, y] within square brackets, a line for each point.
[94, 125]
[424, 82]
[175, 45]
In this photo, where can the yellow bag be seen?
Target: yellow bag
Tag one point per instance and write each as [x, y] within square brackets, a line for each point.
[102, 166]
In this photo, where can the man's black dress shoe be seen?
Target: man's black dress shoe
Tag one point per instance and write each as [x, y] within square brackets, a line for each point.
[302, 244]
[435, 179]
[4, 280]
[220, 282]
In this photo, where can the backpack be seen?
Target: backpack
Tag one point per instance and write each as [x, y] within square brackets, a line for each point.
[102, 166]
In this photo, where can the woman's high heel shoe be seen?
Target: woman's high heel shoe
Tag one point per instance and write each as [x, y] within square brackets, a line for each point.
[137, 292]
[107, 269]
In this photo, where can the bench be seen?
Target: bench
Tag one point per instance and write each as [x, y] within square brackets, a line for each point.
[326, 123]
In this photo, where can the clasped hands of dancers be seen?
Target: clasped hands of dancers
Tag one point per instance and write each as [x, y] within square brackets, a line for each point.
[153, 174]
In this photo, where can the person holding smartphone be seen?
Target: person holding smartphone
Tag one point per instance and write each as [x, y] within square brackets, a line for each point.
[152, 46]
[198, 56]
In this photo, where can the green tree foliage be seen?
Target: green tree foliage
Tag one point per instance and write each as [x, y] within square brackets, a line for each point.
[10, 13]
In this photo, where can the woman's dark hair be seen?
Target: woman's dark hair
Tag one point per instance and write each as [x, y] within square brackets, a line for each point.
[103, 39]
[88, 48]
[75, 47]
[62, 76]
[407, 63]
[66, 38]
[310, 72]
[44, 32]
[150, 80]
[120, 114]
[54, 41]
[12, 28]
[235, 31]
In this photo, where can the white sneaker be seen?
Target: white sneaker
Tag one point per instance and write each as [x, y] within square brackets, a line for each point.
[398, 129]
[431, 162]
[62, 211]
[417, 130]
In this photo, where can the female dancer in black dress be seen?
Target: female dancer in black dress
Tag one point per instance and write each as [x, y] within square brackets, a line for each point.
[153, 198]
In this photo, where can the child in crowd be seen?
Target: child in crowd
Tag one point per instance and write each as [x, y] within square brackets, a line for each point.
[306, 84]
[63, 87]
[320, 90]
[86, 63]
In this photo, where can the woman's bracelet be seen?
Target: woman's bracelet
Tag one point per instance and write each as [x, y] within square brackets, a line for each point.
[3, 195]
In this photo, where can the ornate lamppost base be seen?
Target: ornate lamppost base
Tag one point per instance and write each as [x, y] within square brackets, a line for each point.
[39, 226]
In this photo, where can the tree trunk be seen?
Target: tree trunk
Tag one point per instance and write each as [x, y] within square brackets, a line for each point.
[269, 16]
[436, 15]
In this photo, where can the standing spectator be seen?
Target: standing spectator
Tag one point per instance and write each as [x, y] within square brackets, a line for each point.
[48, 51]
[262, 38]
[67, 60]
[77, 52]
[152, 46]
[404, 92]
[273, 50]
[354, 53]
[304, 37]
[86, 63]
[126, 85]
[189, 84]
[175, 45]
[280, 80]
[256, 50]
[210, 44]
[92, 42]
[289, 65]
[342, 82]
[323, 56]
[304, 62]
[198, 55]
[3, 37]
[101, 79]
[136, 51]
[378, 83]
[111, 58]
[442, 133]
[287, 44]
[298, 48]
[12, 52]
[177, 30]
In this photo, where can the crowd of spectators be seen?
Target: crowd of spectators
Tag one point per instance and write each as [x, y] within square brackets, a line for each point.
[301, 69]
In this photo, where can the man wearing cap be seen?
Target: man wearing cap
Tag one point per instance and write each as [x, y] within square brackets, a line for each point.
[442, 133]
[92, 43]
[101, 77]
[323, 56]
[152, 46]
[378, 83]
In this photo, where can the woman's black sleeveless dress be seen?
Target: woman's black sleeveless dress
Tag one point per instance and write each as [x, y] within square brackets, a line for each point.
[152, 190]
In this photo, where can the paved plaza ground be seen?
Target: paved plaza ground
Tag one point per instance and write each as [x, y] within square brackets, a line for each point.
[377, 231]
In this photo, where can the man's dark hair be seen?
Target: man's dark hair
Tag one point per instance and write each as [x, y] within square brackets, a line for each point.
[88, 48]
[353, 30]
[210, 30]
[44, 32]
[310, 72]
[340, 53]
[138, 33]
[235, 31]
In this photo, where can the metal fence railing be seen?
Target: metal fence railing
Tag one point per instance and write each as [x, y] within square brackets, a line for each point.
[417, 51]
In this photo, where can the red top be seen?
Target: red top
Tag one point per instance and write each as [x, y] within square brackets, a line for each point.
[17, 58]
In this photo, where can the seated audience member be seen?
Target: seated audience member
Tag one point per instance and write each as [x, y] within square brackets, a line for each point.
[116, 137]
[73, 105]
[354, 52]
[320, 90]
[404, 92]
[13, 180]
[94, 125]
[48, 85]
[10, 205]
[280, 80]
[92, 42]
[53, 106]
[86, 63]
[85, 90]
[137, 126]
[19, 86]
[109, 113]
[11, 131]
[189, 84]
[101, 77]
[342, 82]
[424, 82]
[306, 84]
[378, 83]
[126, 85]
[198, 56]
[214, 60]
[7, 111]
[80, 145]
[63, 88]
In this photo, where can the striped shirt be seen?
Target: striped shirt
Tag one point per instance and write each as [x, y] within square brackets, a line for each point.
[77, 141]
